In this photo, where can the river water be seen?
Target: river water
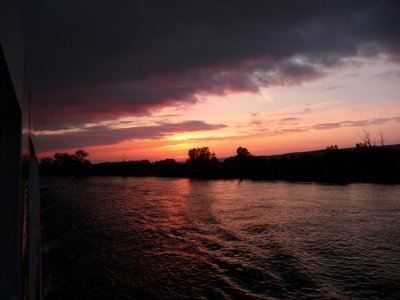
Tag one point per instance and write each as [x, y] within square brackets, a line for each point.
[164, 238]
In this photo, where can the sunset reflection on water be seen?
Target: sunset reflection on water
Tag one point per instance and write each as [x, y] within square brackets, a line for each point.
[187, 238]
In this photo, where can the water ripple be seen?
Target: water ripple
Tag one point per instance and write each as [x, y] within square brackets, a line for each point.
[160, 238]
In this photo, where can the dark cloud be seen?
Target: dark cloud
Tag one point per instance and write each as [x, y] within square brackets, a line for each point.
[392, 74]
[288, 127]
[100, 135]
[290, 130]
[95, 60]
[357, 123]
[289, 119]
[327, 125]
[365, 123]
[333, 125]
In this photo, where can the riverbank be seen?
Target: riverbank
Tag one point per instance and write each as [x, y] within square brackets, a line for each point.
[364, 164]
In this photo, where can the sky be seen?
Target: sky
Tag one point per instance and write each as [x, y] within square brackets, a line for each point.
[130, 80]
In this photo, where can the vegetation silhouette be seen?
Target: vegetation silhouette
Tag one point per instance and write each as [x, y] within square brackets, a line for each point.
[66, 164]
[364, 163]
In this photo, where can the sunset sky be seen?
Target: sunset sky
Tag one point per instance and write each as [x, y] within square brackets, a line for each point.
[152, 79]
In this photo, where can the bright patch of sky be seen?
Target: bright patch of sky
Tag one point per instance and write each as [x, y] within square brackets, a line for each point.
[357, 95]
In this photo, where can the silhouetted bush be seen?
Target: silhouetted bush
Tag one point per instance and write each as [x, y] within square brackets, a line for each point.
[361, 164]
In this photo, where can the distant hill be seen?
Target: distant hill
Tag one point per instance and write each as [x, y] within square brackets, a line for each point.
[317, 152]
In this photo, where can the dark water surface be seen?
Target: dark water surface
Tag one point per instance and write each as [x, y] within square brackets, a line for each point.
[145, 238]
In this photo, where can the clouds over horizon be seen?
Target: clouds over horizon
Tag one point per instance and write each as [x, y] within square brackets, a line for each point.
[101, 135]
[104, 135]
[96, 60]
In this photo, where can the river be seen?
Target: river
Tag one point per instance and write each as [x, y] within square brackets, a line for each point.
[166, 238]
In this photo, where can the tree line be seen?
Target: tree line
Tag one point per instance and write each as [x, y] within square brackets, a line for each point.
[364, 163]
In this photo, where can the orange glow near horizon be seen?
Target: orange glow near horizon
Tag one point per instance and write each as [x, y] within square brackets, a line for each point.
[331, 110]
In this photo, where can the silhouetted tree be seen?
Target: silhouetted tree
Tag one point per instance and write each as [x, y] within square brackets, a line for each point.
[366, 138]
[199, 155]
[66, 164]
[63, 159]
[46, 161]
[332, 148]
[80, 156]
[167, 167]
[242, 152]
[381, 139]
[201, 158]
[214, 158]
